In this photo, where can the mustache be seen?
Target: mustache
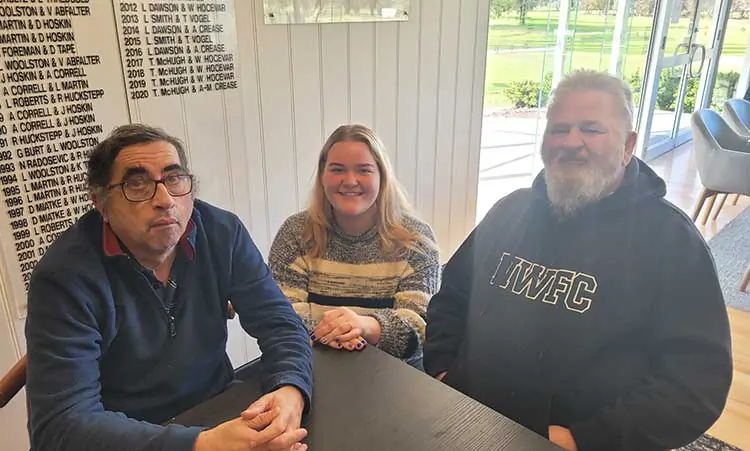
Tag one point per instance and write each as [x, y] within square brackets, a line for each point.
[567, 154]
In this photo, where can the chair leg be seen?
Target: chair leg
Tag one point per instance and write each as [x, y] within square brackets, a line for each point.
[718, 207]
[701, 200]
[745, 280]
[736, 199]
[708, 209]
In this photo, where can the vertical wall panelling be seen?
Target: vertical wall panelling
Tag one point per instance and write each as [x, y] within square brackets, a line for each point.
[234, 125]
[251, 126]
[362, 73]
[386, 86]
[276, 114]
[446, 119]
[208, 146]
[477, 106]
[249, 173]
[429, 77]
[334, 51]
[408, 89]
[307, 104]
[463, 120]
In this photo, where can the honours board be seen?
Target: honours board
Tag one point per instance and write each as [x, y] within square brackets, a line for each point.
[176, 47]
[71, 71]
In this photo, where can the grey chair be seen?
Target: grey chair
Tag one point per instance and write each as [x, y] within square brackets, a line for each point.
[722, 158]
[737, 114]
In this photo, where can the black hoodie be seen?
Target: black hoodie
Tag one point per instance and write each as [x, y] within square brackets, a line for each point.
[610, 323]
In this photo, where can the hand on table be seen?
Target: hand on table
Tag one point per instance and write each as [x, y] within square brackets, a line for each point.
[356, 344]
[289, 403]
[251, 434]
[341, 328]
[562, 437]
[272, 423]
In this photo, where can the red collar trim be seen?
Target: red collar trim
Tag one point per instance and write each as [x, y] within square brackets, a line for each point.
[112, 248]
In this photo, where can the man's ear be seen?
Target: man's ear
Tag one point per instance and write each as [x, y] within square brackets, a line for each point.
[630, 142]
[99, 203]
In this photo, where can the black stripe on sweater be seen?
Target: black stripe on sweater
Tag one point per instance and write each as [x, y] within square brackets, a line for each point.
[347, 301]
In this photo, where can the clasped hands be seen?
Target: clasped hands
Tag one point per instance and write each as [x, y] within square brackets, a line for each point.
[272, 423]
[343, 329]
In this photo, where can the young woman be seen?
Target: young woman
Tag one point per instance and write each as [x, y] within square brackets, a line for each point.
[357, 265]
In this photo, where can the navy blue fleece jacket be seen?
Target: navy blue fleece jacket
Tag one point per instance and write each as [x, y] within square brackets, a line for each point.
[610, 323]
[105, 367]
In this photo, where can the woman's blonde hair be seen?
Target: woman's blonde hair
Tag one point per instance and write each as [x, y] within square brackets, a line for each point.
[391, 202]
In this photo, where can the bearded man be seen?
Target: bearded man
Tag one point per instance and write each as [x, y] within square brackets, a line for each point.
[587, 308]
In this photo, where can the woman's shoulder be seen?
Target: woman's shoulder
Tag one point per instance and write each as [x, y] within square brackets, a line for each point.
[290, 232]
[417, 226]
[295, 223]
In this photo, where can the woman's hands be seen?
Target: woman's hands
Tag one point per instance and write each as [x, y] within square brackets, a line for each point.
[341, 328]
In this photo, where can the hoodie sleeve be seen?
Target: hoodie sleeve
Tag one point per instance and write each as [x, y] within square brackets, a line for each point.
[267, 315]
[447, 310]
[692, 359]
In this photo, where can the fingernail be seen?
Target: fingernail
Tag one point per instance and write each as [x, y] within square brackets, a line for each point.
[338, 339]
[313, 337]
[359, 345]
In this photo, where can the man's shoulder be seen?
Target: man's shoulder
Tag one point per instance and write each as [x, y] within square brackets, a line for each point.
[76, 250]
[219, 231]
[513, 202]
[213, 216]
[666, 228]
[671, 217]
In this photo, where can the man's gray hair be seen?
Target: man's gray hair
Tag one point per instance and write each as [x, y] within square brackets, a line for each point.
[591, 80]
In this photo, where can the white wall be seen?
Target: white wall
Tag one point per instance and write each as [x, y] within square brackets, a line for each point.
[419, 84]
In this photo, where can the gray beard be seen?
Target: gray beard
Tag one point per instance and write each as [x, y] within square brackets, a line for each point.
[569, 195]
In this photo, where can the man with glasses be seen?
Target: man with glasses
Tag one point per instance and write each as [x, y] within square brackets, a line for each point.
[127, 315]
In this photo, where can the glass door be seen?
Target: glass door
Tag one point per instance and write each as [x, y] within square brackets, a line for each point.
[686, 41]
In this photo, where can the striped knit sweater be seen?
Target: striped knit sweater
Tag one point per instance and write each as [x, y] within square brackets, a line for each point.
[355, 272]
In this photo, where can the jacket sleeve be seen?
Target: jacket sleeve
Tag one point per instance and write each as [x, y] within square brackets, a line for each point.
[692, 361]
[267, 315]
[66, 413]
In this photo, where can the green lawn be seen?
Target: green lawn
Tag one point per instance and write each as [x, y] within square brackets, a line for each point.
[588, 46]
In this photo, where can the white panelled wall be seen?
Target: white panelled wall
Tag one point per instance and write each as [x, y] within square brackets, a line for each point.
[419, 84]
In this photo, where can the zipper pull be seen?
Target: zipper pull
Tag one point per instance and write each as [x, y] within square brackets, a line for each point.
[172, 327]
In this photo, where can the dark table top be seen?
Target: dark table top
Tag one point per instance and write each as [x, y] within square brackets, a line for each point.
[368, 400]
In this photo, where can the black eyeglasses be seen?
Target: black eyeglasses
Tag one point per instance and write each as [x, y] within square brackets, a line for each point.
[140, 189]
